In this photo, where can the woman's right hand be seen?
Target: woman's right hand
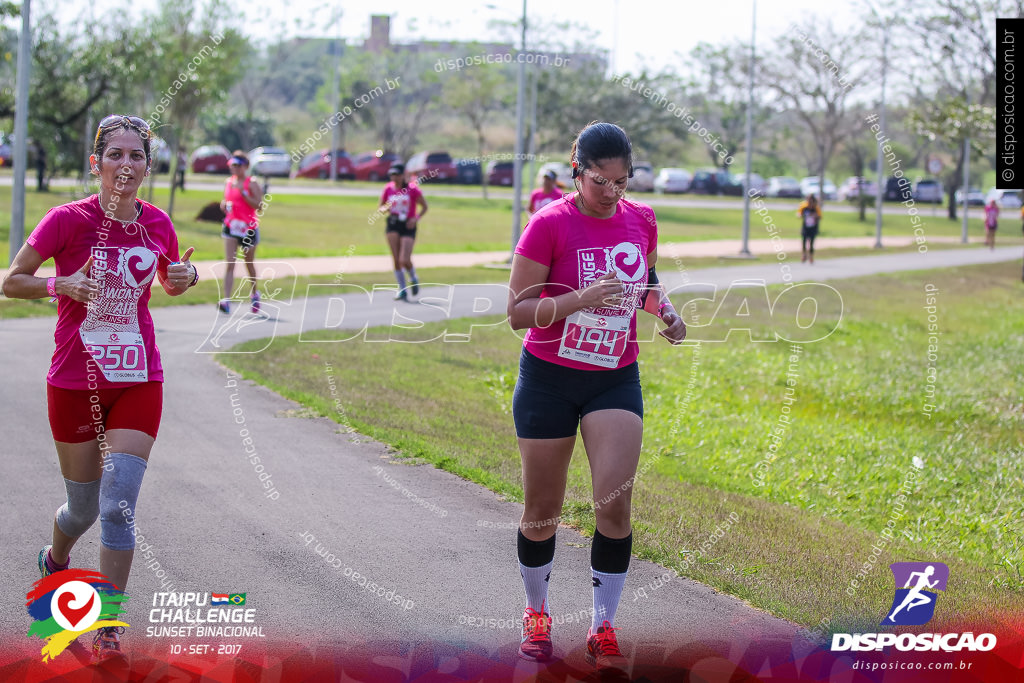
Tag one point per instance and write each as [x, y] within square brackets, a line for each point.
[605, 291]
[79, 286]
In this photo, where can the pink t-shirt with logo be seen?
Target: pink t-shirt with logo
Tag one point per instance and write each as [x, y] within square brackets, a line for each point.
[117, 324]
[240, 209]
[401, 203]
[579, 249]
[539, 199]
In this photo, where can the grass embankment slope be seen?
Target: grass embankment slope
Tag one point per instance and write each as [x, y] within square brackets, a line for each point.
[858, 420]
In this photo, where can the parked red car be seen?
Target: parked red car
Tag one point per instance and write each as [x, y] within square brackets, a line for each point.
[501, 173]
[318, 165]
[431, 166]
[373, 165]
[210, 159]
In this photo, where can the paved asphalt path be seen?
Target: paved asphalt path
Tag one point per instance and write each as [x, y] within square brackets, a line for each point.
[426, 535]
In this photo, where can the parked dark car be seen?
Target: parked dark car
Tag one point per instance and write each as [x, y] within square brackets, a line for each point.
[929, 191]
[501, 173]
[373, 166]
[715, 182]
[895, 189]
[468, 172]
[318, 165]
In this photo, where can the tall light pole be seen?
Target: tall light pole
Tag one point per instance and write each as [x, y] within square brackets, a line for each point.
[745, 249]
[336, 73]
[17, 232]
[880, 189]
[517, 163]
[967, 171]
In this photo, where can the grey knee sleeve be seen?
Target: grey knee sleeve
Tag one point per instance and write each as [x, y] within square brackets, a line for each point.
[81, 509]
[119, 490]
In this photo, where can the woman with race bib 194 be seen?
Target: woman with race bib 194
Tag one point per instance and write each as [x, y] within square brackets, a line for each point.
[105, 385]
[582, 269]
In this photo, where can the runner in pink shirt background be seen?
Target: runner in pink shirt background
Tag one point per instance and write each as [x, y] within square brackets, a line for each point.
[404, 204]
[104, 387]
[243, 196]
[546, 193]
[582, 269]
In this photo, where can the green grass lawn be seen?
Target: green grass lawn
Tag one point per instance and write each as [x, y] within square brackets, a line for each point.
[323, 225]
[857, 423]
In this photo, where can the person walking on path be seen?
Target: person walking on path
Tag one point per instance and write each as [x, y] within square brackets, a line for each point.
[40, 154]
[104, 387]
[243, 197]
[404, 204]
[810, 217]
[582, 269]
[992, 223]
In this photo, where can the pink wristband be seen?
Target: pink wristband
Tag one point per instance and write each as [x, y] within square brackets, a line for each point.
[51, 287]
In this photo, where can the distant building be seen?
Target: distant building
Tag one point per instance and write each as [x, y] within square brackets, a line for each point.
[380, 40]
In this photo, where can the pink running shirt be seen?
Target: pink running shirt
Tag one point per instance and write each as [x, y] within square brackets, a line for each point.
[579, 249]
[401, 203]
[117, 323]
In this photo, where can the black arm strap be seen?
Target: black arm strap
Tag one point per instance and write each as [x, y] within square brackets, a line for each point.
[652, 283]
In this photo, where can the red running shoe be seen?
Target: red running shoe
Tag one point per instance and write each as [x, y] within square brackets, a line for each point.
[603, 649]
[536, 645]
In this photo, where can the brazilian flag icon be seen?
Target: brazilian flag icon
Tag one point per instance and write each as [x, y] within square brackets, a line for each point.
[237, 598]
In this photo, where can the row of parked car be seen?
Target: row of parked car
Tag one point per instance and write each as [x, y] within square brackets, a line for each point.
[372, 166]
[439, 166]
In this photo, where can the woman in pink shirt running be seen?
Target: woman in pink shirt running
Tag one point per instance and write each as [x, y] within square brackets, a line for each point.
[243, 197]
[104, 388]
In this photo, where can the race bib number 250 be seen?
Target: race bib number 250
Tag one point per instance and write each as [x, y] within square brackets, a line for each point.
[121, 356]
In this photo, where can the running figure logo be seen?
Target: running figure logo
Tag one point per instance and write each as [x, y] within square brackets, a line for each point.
[914, 603]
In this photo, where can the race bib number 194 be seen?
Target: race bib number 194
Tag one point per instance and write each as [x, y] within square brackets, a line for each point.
[595, 339]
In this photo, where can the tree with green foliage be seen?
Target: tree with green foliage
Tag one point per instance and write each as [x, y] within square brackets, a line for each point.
[955, 64]
[488, 91]
[812, 70]
[193, 60]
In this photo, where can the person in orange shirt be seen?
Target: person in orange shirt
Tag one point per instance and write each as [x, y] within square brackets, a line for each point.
[810, 216]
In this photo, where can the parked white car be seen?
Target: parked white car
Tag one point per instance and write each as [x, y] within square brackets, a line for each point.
[562, 171]
[783, 187]
[758, 186]
[269, 161]
[809, 185]
[643, 178]
[672, 180]
[1005, 199]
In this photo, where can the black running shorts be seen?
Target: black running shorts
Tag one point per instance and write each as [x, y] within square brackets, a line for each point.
[550, 399]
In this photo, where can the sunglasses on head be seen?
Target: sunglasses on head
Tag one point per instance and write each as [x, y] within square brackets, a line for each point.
[121, 120]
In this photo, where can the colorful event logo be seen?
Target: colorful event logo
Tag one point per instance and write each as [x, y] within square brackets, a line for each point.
[914, 603]
[71, 602]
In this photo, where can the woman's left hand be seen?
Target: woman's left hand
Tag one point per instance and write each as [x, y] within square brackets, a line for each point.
[412, 222]
[676, 330]
[181, 274]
